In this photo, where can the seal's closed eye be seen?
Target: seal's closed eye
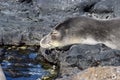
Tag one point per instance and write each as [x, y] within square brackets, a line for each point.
[54, 32]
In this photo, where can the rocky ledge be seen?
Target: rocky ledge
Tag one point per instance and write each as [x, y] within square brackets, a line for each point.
[27, 21]
[93, 61]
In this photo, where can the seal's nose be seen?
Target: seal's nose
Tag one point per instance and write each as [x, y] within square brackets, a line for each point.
[44, 42]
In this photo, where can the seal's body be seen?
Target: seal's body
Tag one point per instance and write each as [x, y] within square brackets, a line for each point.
[84, 30]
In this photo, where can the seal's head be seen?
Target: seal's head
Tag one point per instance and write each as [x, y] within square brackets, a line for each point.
[52, 40]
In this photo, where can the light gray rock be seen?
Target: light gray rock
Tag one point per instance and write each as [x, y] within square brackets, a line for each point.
[2, 76]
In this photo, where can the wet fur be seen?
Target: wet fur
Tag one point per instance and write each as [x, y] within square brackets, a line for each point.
[86, 30]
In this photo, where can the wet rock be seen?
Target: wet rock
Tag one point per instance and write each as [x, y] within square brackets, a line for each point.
[15, 73]
[19, 62]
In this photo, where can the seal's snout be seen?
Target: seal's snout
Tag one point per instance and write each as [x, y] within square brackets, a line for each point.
[44, 42]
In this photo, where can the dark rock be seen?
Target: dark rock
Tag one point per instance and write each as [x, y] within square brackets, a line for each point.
[105, 9]
[19, 62]
[50, 55]
[2, 55]
[81, 57]
[85, 56]
[104, 6]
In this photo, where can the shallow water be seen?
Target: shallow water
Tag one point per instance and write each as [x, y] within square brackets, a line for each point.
[21, 66]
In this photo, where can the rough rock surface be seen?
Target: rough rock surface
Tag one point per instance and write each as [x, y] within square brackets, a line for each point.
[27, 21]
[80, 57]
[97, 73]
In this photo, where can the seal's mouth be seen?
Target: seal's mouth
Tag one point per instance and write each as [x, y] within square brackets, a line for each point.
[48, 46]
[44, 43]
[47, 43]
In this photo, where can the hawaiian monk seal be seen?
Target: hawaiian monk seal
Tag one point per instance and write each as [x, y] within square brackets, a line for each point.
[83, 30]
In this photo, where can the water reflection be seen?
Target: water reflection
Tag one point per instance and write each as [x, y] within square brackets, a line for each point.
[21, 64]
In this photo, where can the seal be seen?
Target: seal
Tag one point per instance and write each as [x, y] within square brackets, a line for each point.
[83, 30]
